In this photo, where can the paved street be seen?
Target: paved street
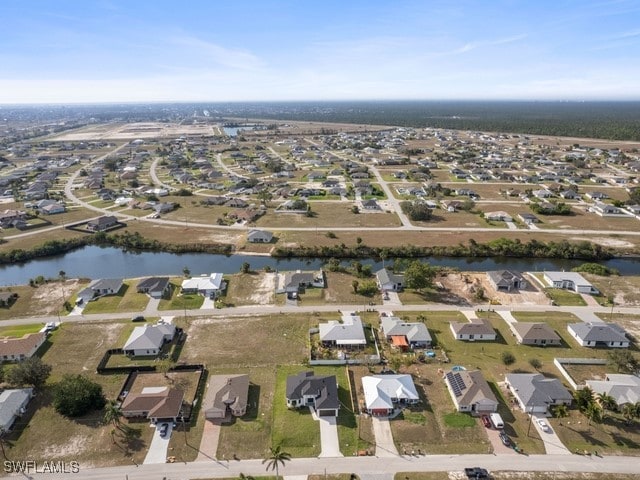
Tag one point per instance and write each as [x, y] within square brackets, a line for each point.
[361, 466]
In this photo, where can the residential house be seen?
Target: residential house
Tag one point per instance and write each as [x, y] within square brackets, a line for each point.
[53, 208]
[625, 389]
[528, 218]
[605, 210]
[8, 217]
[227, 395]
[346, 333]
[8, 298]
[371, 205]
[384, 393]
[13, 404]
[100, 288]
[388, 281]
[318, 391]
[148, 340]
[210, 286]
[498, 216]
[569, 195]
[596, 195]
[544, 193]
[535, 334]
[259, 236]
[474, 329]
[294, 282]
[506, 280]
[164, 207]
[102, 224]
[599, 334]
[452, 205]
[470, 392]
[570, 281]
[158, 404]
[155, 287]
[18, 349]
[405, 335]
[535, 393]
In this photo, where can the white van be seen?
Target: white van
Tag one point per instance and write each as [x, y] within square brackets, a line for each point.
[496, 421]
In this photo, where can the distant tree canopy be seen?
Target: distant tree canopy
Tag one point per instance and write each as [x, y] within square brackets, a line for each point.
[416, 211]
[76, 395]
[419, 275]
[596, 269]
[31, 372]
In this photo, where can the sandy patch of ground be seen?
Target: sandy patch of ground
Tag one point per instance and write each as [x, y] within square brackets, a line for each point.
[48, 298]
[263, 292]
[608, 242]
[74, 446]
[466, 284]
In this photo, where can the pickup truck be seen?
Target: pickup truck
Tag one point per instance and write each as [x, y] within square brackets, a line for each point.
[476, 472]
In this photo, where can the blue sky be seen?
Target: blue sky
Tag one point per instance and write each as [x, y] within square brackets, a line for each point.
[241, 50]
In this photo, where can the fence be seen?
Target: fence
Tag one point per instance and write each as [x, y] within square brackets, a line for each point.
[560, 362]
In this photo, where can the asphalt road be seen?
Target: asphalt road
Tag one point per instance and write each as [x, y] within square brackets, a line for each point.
[274, 309]
[359, 465]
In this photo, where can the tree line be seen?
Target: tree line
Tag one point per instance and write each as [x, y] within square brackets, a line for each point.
[502, 247]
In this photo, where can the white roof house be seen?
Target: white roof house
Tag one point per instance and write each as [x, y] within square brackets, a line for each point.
[149, 339]
[570, 281]
[625, 389]
[206, 285]
[13, 404]
[345, 333]
[383, 393]
[599, 334]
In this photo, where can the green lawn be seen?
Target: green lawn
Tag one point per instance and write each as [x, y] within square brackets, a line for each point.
[294, 430]
[564, 298]
[20, 330]
[127, 300]
[178, 301]
[459, 420]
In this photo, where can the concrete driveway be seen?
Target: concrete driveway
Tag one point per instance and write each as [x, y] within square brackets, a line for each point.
[329, 444]
[384, 438]
[552, 443]
[499, 448]
[393, 299]
[158, 449]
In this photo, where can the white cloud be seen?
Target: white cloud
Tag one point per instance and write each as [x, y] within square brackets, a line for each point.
[221, 56]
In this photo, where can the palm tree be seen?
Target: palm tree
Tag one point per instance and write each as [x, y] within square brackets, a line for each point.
[628, 412]
[275, 458]
[607, 402]
[594, 413]
[113, 413]
[560, 411]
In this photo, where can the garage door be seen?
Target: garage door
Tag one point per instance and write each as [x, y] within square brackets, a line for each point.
[327, 413]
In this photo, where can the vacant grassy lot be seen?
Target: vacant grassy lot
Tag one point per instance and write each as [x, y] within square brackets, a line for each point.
[329, 214]
[127, 300]
[255, 288]
[248, 341]
[625, 289]
[509, 475]
[46, 299]
[75, 348]
[564, 298]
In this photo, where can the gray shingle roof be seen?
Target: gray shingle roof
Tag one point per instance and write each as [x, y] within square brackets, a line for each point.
[323, 387]
[534, 389]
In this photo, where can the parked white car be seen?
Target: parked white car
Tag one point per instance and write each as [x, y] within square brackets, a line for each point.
[543, 425]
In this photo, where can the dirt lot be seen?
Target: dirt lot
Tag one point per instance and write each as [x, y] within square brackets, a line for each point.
[465, 284]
